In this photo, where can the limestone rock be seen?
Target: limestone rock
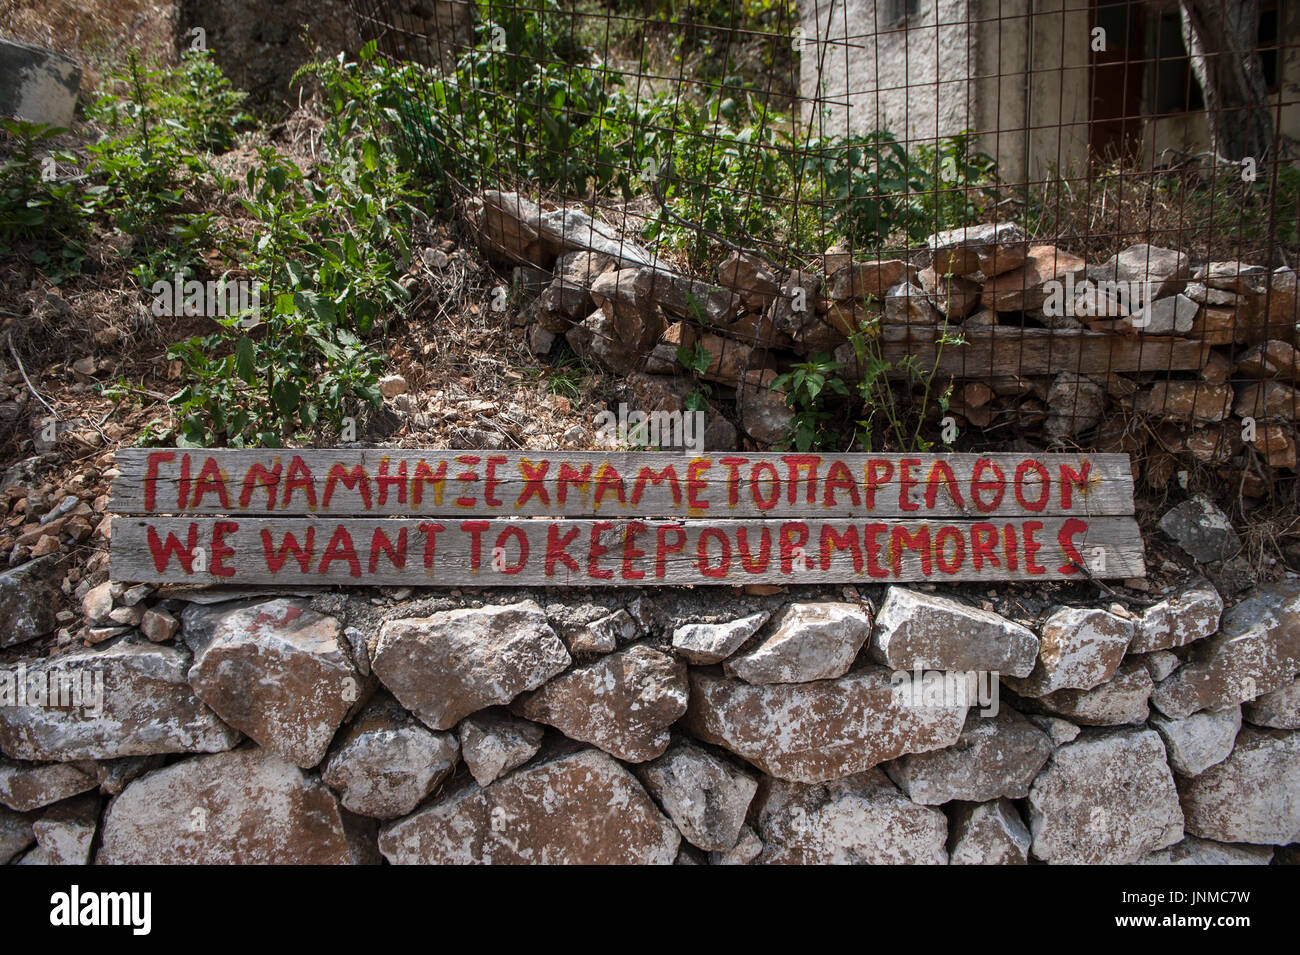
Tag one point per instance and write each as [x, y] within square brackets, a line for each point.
[1267, 399]
[1026, 287]
[493, 742]
[1189, 615]
[1078, 648]
[956, 297]
[278, 671]
[808, 641]
[158, 625]
[25, 601]
[1076, 403]
[1105, 798]
[579, 809]
[1235, 276]
[988, 833]
[860, 279]
[444, 667]
[623, 703]
[1197, 742]
[1059, 731]
[1272, 359]
[28, 786]
[1175, 315]
[993, 757]
[747, 848]
[1279, 709]
[1256, 650]
[1160, 663]
[65, 832]
[1252, 796]
[246, 807]
[147, 708]
[915, 629]
[862, 819]
[705, 643]
[813, 732]
[387, 761]
[704, 795]
[15, 833]
[1159, 272]
[750, 277]
[764, 414]
[908, 304]
[1201, 529]
[1194, 851]
[1189, 400]
[1119, 701]
[988, 250]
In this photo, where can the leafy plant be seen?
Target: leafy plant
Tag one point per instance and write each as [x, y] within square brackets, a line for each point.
[39, 203]
[807, 386]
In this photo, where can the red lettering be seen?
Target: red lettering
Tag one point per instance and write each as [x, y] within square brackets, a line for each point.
[427, 475]
[475, 529]
[663, 548]
[983, 543]
[775, 479]
[555, 545]
[998, 484]
[534, 475]
[299, 477]
[1072, 480]
[379, 542]
[151, 476]
[751, 564]
[651, 476]
[702, 553]
[900, 540]
[1065, 537]
[879, 473]
[792, 537]
[832, 541]
[839, 477]
[258, 475]
[162, 551]
[941, 472]
[276, 557]
[341, 548]
[949, 533]
[630, 551]
[210, 480]
[430, 532]
[597, 550]
[384, 481]
[221, 550]
[1044, 484]
[521, 539]
[355, 479]
[733, 478]
[1032, 547]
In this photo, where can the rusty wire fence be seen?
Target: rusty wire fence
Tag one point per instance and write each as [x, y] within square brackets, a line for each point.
[994, 224]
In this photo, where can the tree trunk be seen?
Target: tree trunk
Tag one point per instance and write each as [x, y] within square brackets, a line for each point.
[1220, 38]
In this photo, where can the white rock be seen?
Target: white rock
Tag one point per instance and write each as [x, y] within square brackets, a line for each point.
[1279, 709]
[493, 742]
[916, 630]
[1078, 649]
[705, 643]
[988, 833]
[1108, 797]
[1189, 615]
[1197, 742]
[807, 641]
[704, 795]
[861, 819]
[1252, 796]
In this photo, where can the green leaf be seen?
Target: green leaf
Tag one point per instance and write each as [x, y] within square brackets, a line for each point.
[245, 366]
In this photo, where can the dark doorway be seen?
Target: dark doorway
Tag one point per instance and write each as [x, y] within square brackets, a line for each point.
[1115, 127]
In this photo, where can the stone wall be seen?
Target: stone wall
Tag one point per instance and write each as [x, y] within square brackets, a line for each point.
[654, 726]
[1186, 363]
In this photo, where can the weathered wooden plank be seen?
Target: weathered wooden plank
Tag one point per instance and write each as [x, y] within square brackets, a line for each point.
[366, 551]
[1010, 350]
[619, 484]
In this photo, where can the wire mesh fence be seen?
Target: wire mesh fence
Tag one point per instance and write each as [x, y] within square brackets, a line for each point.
[897, 224]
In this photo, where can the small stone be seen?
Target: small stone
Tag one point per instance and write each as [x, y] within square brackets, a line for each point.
[704, 795]
[147, 707]
[387, 761]
[1120, 700]
[277, 671]
[246, 807]
[1058, 730]
[493, 742]
[1158, 272]
[926, 631]
[1108, 797]
[814, 732]
[993, 757]
[706, 643]
[988, 833]
[556, 812]
[1201, 529]
[15, 834]
[1165, 316]
[623, 703]
[28, 786]
[860, 279]
[1161, 663]
[1256, 651]
[390, 386]
[65, 832]
[26, 603]
[747, 848]
[1197, 742]
[862, 819]
[1279, 709]
[1252, 796]
[1194, 851]
[1078, 649]
[1027, 286]
[1189, 615]
[604, 635]
[986, 250]
[812, 641]
[159, 625]
[1188, 400]
[444, 667]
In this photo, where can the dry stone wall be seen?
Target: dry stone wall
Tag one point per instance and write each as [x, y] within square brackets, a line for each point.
[804, 725]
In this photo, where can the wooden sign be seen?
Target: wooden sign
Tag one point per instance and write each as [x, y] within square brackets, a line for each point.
[388, 516]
